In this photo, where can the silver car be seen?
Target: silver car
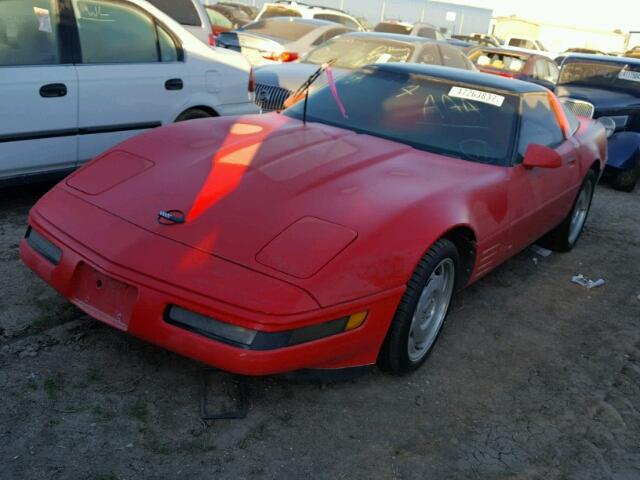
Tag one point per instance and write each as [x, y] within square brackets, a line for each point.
[279, 39]
[275, 83]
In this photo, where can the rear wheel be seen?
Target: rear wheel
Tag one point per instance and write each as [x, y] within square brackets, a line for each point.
[565, 236]
[193, 114]
[422, 310]
[626, 180]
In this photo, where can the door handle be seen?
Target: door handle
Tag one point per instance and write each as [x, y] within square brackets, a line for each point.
[174, 84]
[572, 160]
[53, 90]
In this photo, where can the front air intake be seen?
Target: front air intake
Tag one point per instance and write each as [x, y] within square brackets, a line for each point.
[579, 107]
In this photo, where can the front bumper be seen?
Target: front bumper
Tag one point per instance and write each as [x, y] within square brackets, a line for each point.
[137, 302]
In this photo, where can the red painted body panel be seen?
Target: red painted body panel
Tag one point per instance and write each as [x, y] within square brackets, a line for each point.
[355, 213]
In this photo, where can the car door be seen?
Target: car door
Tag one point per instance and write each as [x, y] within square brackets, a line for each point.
[540, 198]
[131, 73]
[38, 90]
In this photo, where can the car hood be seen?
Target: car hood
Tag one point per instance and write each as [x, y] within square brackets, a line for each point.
[291, 75]
[604, 100]
[242, 182]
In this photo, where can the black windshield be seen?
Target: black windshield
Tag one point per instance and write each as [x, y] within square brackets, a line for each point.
[468, 122]
[609, 75]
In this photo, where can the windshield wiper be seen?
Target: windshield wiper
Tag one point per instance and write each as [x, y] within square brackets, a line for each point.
[304, 89]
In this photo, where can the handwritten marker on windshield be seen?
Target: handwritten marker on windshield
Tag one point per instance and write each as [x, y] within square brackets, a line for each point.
[334, 91]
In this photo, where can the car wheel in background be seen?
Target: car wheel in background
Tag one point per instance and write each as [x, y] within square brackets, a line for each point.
[565, 236]
[626, 180]
[422, 311]
[193, 114]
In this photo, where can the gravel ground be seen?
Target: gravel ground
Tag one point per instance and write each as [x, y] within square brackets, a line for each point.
[534, 378]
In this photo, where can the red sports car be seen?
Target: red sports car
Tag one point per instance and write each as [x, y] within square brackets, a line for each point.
[322, 238]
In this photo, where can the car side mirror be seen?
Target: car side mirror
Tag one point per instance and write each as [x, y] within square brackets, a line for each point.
[541, 157]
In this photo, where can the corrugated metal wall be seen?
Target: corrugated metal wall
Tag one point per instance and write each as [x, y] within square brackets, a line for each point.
[467, 19]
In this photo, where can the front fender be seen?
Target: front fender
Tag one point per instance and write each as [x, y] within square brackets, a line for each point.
[624, 148]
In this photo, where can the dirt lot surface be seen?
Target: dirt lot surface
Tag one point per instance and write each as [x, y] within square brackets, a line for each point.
[534, 378]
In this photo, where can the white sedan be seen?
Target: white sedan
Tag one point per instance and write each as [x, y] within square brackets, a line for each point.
[79, 76]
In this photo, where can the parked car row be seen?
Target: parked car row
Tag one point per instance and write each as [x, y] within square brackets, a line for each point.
[279, 39]
[351, 51]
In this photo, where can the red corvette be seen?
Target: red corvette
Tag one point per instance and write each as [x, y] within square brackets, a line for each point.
[268, 244]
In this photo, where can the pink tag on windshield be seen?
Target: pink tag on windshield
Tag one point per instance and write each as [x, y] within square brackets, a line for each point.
[334, 91]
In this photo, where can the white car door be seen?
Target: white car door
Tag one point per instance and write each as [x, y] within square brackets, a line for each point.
[38, 92]
[130, 74]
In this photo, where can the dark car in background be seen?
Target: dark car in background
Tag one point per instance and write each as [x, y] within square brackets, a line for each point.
[279, 39]
[608, 88]
[275, 83]
[516, 64]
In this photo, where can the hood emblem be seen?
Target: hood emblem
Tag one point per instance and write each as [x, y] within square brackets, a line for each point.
[171, 217]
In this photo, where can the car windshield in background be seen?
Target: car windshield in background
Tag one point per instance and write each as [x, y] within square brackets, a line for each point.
[435, 115]
[618, 76]
[283, 29]
[352, 52]
[500, 61]
[182, 11]
[393, 28]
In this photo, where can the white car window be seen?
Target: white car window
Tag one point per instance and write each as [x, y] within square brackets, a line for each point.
[116, 32]
[427, 32]
[28, 32]
[541, 72]
[182, 11]
[554, 72]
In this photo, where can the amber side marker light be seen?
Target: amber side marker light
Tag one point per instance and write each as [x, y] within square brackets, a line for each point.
[355, 321]
[255, 340]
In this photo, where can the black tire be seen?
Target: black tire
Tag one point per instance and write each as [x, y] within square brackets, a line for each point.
[560, 238]
[193, 114]
[626, 180]
[394, 355]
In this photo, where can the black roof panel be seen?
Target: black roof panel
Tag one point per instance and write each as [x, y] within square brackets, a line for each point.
[464, 76]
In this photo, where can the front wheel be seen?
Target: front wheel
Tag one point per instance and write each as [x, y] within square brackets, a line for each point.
[422, 310]
[565, 236]
[626, 180]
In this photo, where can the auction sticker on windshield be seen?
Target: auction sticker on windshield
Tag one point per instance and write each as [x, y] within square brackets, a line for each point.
[477, 96]
[629, 75]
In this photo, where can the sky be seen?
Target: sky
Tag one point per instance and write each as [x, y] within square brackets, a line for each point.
[606, 15]
[595, 14]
